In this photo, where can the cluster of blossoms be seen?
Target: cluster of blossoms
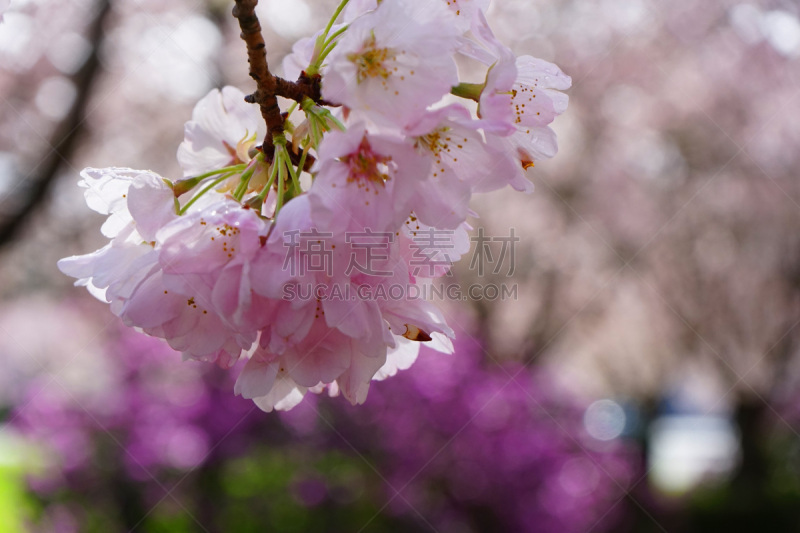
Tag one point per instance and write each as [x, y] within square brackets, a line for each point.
[365, 186]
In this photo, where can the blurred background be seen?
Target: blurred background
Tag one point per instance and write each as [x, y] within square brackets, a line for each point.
[645, 379]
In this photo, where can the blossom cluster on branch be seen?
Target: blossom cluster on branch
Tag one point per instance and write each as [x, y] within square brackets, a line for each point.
[363, 182]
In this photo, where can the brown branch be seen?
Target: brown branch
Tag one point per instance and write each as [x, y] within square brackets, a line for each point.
[269, 86]
[266, 95]
[304, 87]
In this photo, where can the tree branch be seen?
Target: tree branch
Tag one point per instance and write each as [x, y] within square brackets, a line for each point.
[269, 86]
[266, 94]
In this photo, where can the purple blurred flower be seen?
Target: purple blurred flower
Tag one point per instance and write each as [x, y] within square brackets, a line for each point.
[467, 445]
[160, 413]
[457, 441]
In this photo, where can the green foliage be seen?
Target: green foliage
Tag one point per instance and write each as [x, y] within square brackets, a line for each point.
[15, 504]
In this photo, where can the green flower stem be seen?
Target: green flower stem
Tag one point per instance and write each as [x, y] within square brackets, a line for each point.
[334, 35]
[302, 164]
[471, 91]
[316, 135]
[336, 121]
[262, 196]
[321, 115]
[281, 180]
[291, 108]
[323, 42]
[244, 182]
[292, 172]
[205, 190]
[326, 118]
[183, 186]
[320, 120]
[332, 21]
[327, 48]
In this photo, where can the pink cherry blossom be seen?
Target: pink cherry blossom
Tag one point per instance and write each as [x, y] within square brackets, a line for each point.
[364, 182]
[529, 103]
[393, 62]
[465, 10]
[207, 255]
[356, 8]
[520, 98]
[111, 272]
[462, 163]
[300, 57]
[266, 381]
[222, 129]
[302, 54]
[324, 355]
[430, 252]
[328, 342]
[405, 353]
[138, 272]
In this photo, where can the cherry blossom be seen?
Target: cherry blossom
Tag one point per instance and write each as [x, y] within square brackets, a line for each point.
[303, 52]
[112, 272]
[302, 240]
[462, 161]
[465, 11]
[529, 103]
[221, 133]
[365, 181]
[394, 61]
[140, 273]
[356, 8]
[520, 98]
[430, 251]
